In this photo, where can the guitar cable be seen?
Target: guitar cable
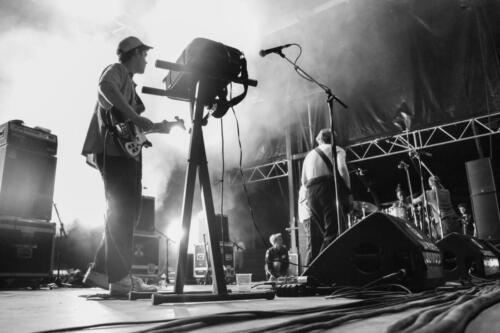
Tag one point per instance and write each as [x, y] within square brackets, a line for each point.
[222, 191]
[244, 182]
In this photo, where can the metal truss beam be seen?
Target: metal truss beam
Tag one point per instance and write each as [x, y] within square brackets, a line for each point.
[273, 170]
[457, 131]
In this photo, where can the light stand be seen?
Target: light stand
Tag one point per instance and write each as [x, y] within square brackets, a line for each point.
[330, 97]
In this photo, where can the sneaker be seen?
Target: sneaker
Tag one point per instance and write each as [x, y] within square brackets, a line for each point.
[95, 279]
[138, 284]
[129, 283]
[121, 288]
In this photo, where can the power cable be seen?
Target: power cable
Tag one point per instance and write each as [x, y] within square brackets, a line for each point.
[244, 182]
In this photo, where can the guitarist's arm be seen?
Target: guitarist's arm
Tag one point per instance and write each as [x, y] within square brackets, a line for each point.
[111, 93]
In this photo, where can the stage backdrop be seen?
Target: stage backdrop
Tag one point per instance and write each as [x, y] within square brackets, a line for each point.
[437, 61]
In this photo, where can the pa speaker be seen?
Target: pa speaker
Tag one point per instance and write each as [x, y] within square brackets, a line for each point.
[377, 246]
[26, 183]
[145, 250]
[484, 198]
[147, 217]
[464, 256]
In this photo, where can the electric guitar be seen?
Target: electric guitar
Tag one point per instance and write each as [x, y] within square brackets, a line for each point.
[130, 138]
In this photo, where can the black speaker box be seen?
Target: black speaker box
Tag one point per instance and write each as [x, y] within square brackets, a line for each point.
[146, 251]
[147, 217]
[223, 224]
[483, 198]
[377, 246]
[464, 255]
[26, 183]
[26, 248]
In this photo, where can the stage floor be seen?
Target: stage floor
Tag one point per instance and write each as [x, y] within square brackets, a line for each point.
[39, 310]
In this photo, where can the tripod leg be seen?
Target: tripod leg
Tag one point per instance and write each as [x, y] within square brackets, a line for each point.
[218, 279]
[187, 203]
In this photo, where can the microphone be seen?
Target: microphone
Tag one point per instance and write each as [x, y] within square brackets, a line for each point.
[276, 49]
[402, 165]
[426, 153]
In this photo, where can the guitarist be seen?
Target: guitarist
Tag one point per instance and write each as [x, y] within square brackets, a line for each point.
[121, 175]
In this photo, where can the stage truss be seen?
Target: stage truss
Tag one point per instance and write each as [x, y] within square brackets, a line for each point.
[404, 142]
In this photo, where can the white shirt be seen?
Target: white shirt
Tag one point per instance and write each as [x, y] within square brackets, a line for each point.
[303, 209]
[314, 166]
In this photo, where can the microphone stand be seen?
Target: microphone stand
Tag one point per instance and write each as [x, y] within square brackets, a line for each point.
[403, 165]
[421, 164]
[416, 155]
[62, 234]
[330, 97]
[168, 239]
[437, 200]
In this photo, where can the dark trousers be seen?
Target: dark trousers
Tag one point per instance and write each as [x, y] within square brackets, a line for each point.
[320, 198]
[314, 239]
[122, 186]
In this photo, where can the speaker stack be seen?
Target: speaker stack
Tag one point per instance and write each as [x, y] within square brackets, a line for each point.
[378, 246]
[146, 245]
[27, 175]
[483, 198]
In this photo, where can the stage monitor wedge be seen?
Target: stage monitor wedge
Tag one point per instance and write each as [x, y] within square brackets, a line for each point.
[464, 256]
[375, 247]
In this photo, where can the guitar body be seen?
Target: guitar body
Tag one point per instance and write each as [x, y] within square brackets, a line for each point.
[130, 138]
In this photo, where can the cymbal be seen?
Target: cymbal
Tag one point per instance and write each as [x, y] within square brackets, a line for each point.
[388, 204]
[368, 207]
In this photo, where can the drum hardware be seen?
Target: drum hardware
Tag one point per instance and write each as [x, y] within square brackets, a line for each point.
[414, 154]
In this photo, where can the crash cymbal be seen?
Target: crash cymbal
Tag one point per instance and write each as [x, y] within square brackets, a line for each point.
[368, 207]
[388, 204]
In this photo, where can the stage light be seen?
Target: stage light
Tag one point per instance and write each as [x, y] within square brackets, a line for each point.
[174, 230]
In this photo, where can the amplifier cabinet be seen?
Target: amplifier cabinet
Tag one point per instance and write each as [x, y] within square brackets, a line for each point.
[26, 183]
[145, 255]
[201, 264]
[35, 139]
[26, 248]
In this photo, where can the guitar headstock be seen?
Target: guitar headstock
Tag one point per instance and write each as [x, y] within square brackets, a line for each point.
[165, 126]
[179, 122]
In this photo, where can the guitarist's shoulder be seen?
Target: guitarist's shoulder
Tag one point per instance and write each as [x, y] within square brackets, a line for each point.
[115, 71]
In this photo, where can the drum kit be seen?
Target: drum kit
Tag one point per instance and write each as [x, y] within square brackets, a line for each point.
[361, 209]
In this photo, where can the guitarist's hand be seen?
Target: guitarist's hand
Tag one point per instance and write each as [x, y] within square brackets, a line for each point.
[143, 123]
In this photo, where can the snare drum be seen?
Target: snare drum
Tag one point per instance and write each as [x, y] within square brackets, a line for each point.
[398, 212]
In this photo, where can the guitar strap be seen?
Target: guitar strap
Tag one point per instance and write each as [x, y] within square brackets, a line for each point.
[343, 190]
[341, 185]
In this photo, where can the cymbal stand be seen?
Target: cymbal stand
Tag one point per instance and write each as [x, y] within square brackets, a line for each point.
[437, 200]
[403, 165]
[415, 154]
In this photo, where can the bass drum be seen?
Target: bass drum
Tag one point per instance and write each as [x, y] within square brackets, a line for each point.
[398, 212]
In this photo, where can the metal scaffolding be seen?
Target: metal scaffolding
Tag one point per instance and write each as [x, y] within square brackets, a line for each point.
[425, 138]
[457, 131]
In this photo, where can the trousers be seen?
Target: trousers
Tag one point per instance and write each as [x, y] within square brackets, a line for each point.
[122, 177]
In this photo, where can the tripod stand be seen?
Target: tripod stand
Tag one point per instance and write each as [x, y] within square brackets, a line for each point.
[197, 166]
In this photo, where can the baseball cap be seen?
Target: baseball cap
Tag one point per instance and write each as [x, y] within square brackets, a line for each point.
[130, 43]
